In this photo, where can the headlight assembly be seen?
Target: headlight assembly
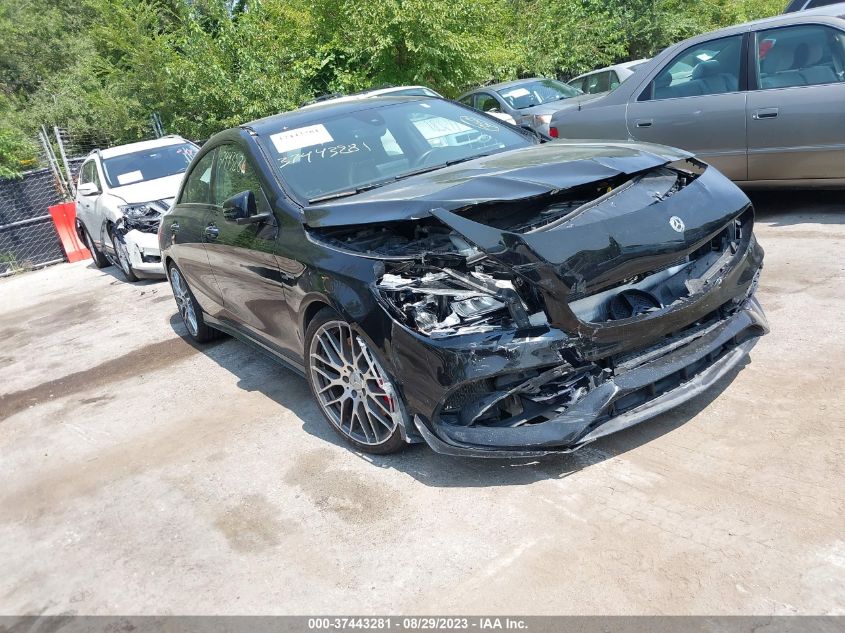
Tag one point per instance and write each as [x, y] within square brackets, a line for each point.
[143, 217]
[447, 302]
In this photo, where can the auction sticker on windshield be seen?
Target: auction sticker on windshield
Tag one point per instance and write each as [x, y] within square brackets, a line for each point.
[129, 177]
[301, 137]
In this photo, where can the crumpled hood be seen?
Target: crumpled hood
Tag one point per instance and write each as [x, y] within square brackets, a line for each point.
[511, 175]
[149, 190]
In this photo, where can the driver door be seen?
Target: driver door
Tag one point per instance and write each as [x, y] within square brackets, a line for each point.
[696, 102]
[242, 256]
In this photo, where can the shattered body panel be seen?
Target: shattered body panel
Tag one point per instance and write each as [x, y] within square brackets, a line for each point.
[524, 302]
[144, 252]
[560, 370]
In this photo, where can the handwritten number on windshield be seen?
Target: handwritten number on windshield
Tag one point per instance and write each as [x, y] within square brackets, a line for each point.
[325, 152]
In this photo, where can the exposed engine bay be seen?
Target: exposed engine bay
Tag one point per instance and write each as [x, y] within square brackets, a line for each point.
[440, 283]
[539, 319]
[144, 217]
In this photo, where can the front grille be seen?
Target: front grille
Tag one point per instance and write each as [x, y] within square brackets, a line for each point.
[650, 292]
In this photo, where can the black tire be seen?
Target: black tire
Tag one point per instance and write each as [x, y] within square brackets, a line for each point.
[392, 408]
[100, 260]
[196, 326]
[122, 255]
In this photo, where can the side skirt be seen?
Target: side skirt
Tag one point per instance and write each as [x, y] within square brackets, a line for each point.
[264, 348]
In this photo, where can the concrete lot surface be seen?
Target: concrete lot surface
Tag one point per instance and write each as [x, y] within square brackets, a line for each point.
[141, 475]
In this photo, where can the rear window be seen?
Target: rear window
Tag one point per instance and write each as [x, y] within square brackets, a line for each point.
[534, 93]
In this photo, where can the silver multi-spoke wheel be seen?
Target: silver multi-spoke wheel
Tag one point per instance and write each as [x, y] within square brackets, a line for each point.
[352, 388]
[184, 301]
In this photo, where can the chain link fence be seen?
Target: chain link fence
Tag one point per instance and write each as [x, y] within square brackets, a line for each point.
[28, 238]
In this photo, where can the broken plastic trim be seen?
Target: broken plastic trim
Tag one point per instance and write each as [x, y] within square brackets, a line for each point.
[442, 301]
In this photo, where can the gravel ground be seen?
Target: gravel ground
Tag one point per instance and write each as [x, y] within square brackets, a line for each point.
[142, 475]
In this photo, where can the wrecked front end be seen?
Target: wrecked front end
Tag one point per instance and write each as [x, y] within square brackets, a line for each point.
[539, 324]
[138, 228]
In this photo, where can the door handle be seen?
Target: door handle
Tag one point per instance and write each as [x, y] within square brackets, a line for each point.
[765, 113]
[174, 227]
[211, 232]
[644, 122]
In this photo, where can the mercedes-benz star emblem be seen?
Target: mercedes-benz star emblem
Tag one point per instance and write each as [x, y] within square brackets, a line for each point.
[677, 223]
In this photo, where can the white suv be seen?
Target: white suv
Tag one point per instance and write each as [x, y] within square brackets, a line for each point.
[121, 194]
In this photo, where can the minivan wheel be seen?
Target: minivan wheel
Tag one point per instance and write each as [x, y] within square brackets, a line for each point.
[100, 260]
[353, 390]
[189, 309]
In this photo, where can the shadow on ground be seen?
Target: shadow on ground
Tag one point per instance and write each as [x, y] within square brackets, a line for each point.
[789, 208]
[255, 371]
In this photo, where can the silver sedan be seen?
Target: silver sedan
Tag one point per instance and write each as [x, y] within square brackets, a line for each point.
[764, 101]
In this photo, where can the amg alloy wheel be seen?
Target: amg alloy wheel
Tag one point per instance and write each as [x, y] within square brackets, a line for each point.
[351, 387]
[189, 309]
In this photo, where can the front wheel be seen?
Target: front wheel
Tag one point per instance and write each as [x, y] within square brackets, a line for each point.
[189, 309]
[100, 260]
[123, 259]
[353, 390]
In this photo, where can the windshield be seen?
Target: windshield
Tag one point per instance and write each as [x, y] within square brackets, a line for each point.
[348, 152]
[149, 164]
[536, 93]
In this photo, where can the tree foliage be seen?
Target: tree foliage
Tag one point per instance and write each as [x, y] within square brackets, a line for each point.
[100, 68]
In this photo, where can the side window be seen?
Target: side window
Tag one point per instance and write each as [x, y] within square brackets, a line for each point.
[233, 174]
[710, 68]
[806, 55]
[88, 173]
[95, 175]
[467, 101]
[597, 82]
[579, 83]
[198, 185]
[85, 174]
[614, 80]
[487, 103]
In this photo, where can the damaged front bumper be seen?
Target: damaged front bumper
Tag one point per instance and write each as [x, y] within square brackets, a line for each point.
[622, 400]
[144, 253]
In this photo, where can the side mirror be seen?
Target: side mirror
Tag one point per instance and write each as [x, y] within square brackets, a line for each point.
[87, 189]
[240, 206]
[241, 209]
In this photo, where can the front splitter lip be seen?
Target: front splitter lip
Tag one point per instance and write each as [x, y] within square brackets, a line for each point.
[577, 427]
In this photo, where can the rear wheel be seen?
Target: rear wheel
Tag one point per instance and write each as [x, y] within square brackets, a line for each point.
[100, 260]
[122, 252]
[189, 309]
[353, 390]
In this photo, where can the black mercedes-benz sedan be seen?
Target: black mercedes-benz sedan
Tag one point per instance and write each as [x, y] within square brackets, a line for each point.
[438, 275]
